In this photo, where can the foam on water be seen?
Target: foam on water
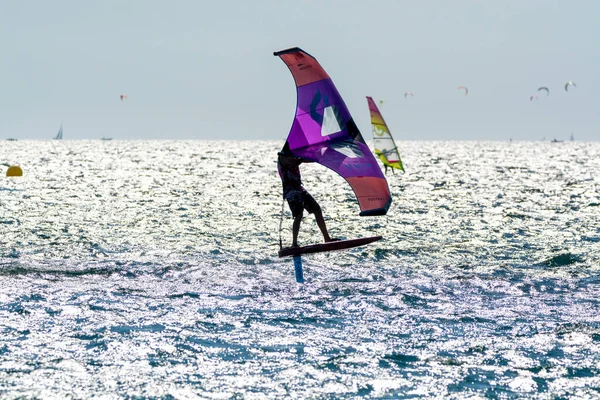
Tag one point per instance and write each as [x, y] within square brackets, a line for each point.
[150, 269]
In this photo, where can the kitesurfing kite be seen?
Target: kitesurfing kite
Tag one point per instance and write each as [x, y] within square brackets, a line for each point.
[465, 88]
[408, 93]
[323, 131]
[544, 88]
[123, 97]
[533, 97]
[569, 84]
[384, 144]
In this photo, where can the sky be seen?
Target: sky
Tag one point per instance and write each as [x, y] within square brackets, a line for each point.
[205, 69]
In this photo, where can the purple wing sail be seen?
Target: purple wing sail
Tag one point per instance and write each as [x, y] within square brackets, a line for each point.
[324, 132]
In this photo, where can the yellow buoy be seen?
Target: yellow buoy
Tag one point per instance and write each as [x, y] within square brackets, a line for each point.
[14, 170]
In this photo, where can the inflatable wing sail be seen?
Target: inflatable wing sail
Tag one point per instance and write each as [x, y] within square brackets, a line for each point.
[384, 144]
[323, 131]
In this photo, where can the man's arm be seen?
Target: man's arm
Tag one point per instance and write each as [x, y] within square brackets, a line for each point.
[293, 159]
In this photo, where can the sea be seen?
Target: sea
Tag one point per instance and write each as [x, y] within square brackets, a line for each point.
[150, 270]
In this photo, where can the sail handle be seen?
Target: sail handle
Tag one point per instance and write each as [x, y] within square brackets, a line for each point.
[281, 225]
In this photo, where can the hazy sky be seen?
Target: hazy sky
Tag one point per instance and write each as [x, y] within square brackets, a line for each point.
[205, 70]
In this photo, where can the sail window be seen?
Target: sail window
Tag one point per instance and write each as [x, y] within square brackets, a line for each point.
[330, 122]
[347, 149]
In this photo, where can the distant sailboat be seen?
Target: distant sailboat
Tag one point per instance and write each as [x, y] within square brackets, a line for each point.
[384, 144]
[60, 133]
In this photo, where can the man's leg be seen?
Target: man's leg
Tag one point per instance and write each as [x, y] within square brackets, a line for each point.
[296, 229]
[297, 210]
[322, 225]
[312, 206]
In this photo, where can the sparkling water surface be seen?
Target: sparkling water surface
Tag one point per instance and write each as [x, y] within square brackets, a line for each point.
[149, 269]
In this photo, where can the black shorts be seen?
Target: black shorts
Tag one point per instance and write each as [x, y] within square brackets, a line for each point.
[301, 200]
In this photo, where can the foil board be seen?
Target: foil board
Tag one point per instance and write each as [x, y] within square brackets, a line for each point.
[329, 246]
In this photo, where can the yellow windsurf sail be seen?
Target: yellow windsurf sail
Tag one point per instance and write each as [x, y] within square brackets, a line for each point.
[384, 144]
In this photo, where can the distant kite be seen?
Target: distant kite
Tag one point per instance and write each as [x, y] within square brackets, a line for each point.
[381, 102]
[465, 88]
[533, 97]
[409, 93]
[544, 88]
[123, 97]
[569, 84]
